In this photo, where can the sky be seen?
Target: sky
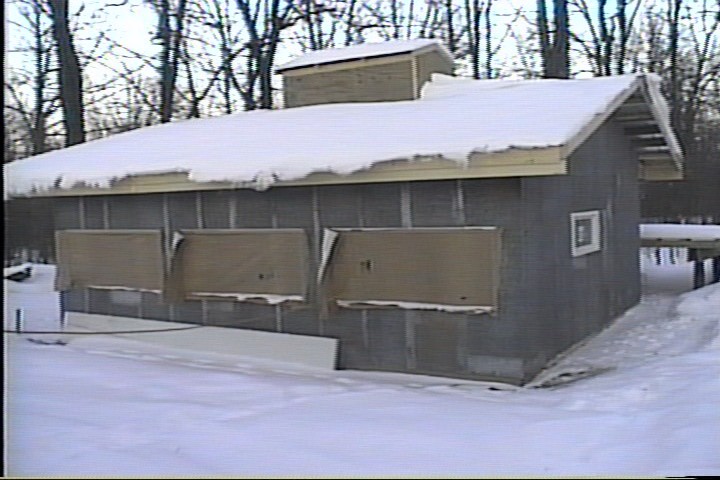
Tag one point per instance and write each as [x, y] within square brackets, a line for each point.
[639, 399]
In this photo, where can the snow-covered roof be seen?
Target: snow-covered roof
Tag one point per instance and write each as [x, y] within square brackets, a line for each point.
[677, 231]
[456, 120]
[363, 51]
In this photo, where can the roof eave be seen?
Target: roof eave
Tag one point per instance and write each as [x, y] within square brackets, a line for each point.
[513, 162]
[665, 162]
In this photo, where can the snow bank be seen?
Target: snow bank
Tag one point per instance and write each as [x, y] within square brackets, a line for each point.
[702, 301]
[454, 118]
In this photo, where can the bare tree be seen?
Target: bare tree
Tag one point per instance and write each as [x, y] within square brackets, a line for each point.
[473, 21]
[623, 28]
[451, 40]
[42, 63]
[35, 23]
[69, 73]
[264, 21]
[170, 32]
[554, 45]
[605, 41]
[209, 49]
[673, 39]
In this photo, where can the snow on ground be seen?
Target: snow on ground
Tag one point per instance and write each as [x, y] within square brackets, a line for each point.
[108, 406]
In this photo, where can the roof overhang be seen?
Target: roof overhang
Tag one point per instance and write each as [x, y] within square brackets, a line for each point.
[639, 109]
[642, 113]
[514, 162]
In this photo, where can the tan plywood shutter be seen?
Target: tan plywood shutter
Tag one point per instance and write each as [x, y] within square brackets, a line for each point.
[435, 265]
[252, 261]
[109, 258]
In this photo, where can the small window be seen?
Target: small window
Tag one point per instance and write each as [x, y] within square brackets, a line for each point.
[585, 232]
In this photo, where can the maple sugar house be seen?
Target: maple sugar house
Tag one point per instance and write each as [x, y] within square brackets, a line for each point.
[485, 268]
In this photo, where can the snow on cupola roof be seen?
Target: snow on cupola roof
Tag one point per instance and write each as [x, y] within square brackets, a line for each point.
[363, 51]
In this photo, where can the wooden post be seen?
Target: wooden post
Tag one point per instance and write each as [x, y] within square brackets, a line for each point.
[698, 269]
[61, 310]
[715, 270]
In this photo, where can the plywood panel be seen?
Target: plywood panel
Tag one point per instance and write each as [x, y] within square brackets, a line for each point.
[261, 261]
[109, 258]
[440, 266]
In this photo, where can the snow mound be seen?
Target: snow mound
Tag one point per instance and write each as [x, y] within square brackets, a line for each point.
[703, 305]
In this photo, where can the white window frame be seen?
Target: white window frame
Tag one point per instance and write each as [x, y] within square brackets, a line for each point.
[595, 234]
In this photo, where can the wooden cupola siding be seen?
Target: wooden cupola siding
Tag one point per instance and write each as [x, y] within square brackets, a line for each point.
[377, 79]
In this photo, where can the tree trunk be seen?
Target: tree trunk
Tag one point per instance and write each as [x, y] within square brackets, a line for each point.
[395, 19]
[623, 32]
[171, 36]
[472, 13]
[488, 40]
[263, 45]
[560, 66]
[267, 59]
[543, 36]
[555, 54]
[70, 76]
[674, 74]
[452, 45]
[166, 95]
[605, 47]
[39, 120]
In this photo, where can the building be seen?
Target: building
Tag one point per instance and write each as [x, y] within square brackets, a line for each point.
[463, 228]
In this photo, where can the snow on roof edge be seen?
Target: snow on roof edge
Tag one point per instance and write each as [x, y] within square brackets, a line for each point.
[362, 51]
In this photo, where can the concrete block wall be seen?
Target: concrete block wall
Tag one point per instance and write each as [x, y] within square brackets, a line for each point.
[378, 339]
[548, 299]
